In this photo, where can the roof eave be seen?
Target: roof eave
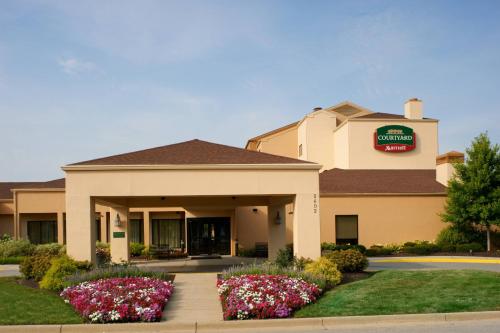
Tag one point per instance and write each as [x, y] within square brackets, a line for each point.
[372, 194]
[47, 189]
[271, 166]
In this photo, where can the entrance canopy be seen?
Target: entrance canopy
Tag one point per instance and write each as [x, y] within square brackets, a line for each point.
[191, 174]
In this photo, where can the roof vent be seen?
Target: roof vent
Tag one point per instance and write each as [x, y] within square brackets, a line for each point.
[317, 108]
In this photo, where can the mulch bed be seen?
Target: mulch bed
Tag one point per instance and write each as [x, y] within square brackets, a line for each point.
[352, 277]
[28, 283]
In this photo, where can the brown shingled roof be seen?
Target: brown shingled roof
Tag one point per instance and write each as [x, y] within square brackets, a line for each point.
[7, 187]
[340, 181]
[192, 152]
[383, 115]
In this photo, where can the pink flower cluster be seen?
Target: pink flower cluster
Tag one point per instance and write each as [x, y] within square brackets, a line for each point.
[119, 299]
[264, 296]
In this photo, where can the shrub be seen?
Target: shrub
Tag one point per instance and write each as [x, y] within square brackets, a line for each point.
[420, 247]
[103, 254]
[242, 252]
[471, 247]
[451, 236]
[60, 268]
[136, 249]
[146, 253]
[115, 271]
[336, 247]
[379, 250]
[264, 296]
[325, 268]
[120, 299]
[300, 263]
[284, 258]
[38, 263]
[11, 260]
[5, 237]
[53, 249]
[35, 266]
[273, 269]
[348, 260]
[15, 248]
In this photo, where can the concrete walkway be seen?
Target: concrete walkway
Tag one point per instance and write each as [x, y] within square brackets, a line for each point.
[195, 299]
[9, 270]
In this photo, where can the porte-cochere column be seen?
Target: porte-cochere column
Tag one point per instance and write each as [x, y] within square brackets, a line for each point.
[306, 226]
[119, 238]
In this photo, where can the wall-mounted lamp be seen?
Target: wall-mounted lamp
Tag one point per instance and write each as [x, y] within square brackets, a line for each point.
[277, 220]
[117, 221]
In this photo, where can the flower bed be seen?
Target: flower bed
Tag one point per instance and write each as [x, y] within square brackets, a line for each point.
[264, 296]
[119, 299]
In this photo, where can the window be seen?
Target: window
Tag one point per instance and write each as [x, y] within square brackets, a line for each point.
[346, 229]
[168, 232]
[108, 228]
[98, 234]
[42, 232]
[300, 150]
[137, 231]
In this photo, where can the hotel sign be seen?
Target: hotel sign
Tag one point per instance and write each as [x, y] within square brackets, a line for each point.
[394, 139]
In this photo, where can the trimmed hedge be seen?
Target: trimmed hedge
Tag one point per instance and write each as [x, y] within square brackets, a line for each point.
[336, 247]
[326, 268]
[348, 261]
[15, 248]
[38, 263]
[136, 249]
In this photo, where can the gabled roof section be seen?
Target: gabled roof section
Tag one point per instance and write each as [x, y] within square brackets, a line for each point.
[343, 111]
[275, 131]
[382, 115]
[351, 181]
[191, 152]
[7, 187]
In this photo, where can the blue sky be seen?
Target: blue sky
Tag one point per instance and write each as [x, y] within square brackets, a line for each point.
[85, 79]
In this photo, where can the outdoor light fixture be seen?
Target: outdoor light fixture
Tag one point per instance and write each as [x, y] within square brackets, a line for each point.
[278, 218]
[117, 221]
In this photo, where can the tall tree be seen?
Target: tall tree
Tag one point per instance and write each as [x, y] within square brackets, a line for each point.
[474, 192]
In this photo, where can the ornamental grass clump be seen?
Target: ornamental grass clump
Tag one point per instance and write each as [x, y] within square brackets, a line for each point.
[264, 296]
[120, 299]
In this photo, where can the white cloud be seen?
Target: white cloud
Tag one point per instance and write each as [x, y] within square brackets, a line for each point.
[74, 66]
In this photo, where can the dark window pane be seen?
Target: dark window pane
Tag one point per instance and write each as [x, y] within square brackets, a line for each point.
[346, 229]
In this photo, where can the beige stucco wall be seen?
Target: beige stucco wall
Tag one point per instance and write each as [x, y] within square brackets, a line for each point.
[282, 143]
[363, 155]
[444, 172]
[340, 149]
[251, 226]
[7, 224]
[385, 219]
[316, 137]
[40, 201]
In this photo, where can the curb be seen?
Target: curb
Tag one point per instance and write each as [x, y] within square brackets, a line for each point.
[311, 323]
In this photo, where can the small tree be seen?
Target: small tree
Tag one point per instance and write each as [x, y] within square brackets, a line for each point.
[474, 192]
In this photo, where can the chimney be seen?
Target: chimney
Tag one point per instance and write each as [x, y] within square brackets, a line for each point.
[445, 168]
[413, 108]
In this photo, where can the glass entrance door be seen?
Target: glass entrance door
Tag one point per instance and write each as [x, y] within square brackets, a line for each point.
[209, 235]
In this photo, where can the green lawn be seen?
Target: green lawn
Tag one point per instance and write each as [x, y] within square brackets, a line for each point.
[24, 305]
[397, 292]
